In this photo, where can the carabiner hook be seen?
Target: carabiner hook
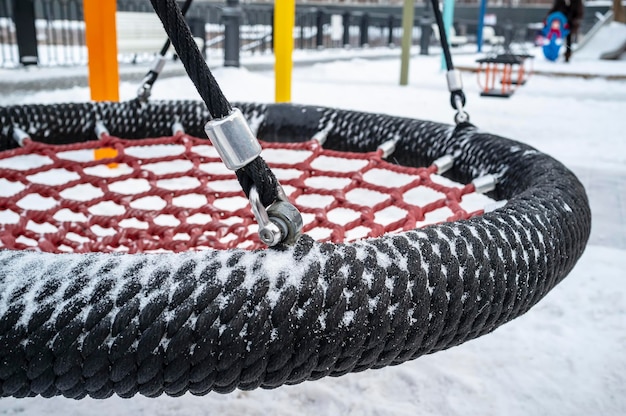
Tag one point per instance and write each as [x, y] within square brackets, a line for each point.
[280, 223]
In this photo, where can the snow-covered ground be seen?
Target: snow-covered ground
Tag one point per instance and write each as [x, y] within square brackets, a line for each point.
[566, 356]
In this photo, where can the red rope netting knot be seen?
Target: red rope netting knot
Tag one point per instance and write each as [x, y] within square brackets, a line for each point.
[174, 194]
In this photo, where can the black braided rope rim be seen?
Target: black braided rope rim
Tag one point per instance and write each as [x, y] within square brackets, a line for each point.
[103, 324]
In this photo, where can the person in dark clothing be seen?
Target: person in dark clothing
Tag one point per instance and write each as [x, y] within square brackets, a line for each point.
[574, 11]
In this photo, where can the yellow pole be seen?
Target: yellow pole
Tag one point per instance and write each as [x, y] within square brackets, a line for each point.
[101, 40]
[284, 22]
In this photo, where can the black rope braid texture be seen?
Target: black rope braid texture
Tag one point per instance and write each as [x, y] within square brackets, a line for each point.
[151, 76]
[101, 324]
[168, 42]
[255, 173]
[179, 34]
[445, 46]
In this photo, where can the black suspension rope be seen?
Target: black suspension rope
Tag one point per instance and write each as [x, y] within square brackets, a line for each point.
[255, 173]
[442, 35]
[168, 42]
[186, 48]
[153, 74]
[457, 96]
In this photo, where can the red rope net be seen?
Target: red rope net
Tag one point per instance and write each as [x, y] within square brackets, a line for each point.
[174, 194]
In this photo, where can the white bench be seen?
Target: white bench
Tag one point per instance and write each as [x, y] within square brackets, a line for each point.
[490, 37]
[453, 38]
[139, 32]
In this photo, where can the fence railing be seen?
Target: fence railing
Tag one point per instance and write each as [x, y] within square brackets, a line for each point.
[58, 29]
[8, 41]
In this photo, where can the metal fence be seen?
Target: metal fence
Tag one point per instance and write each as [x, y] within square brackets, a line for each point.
[60, 30]
[8, 40]
[59, 33]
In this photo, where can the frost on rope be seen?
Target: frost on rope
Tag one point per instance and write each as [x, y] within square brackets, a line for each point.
[174, 194]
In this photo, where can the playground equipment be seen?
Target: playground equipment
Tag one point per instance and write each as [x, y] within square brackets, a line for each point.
[601, 21]
[505, 68]
[284, 19]
[605, 40]
[503, 73]
[100, 35]
[187, 317]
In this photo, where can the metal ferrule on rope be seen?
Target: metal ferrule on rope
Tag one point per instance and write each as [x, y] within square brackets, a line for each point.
[455, 86]
[455, 82]
[444, 164]
[177, 128]
[387, 148]
[233, 140]
[484, 184]
[322, 135]
[20, 136]
[100, 130]
[237, 146]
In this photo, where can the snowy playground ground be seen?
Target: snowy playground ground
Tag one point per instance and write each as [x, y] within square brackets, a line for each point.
[566, 356]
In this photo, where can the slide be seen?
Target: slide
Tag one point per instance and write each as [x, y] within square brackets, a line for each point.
[603, 20]
[618, 52]
[605, 40]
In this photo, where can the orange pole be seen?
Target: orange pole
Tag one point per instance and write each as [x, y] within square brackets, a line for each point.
[101, 37]
[492, 78]
[487, 75]
[520, 74]
[506, 78]
[480, 69]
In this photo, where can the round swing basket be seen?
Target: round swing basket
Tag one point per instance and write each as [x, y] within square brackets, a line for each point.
[174, 318]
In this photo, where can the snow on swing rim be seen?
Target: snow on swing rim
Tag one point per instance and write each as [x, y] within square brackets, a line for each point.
[220, 320]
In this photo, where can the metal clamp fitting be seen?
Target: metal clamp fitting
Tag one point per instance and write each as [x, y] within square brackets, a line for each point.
[20, 136]
[322, 134]
[461, 116]
[233, 140]
[455, 82]
[458, 102]
[145, 90]
[455, 86]
[280, 223]
[387, 148]
[484, 184]
[444, 164]
[101, 130]
[177, 128]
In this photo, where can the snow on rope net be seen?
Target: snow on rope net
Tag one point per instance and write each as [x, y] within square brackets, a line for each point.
[206, 320]
[174, 194]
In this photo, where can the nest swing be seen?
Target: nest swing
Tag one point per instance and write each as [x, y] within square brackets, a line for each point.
[157, 309]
